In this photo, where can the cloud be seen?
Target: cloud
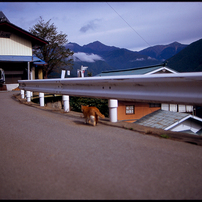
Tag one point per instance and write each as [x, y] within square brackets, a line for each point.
[150, 58]
[140, 59]
[137, 59]
[80, 56]
[84, 22]
[90, 26]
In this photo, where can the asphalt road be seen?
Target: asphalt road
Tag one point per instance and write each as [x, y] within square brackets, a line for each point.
[45, 155]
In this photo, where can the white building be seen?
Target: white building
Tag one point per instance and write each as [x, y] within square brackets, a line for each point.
[16, 57]
[174, 121]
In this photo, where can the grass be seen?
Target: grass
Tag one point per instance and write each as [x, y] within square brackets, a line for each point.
[165, 136]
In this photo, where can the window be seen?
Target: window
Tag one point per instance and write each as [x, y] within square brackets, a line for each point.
[130, 110]
[154, 105]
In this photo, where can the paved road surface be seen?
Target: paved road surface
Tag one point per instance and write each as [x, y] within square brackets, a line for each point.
[44, 155]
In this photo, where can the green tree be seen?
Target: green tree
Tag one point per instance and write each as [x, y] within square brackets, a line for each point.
[54, 53]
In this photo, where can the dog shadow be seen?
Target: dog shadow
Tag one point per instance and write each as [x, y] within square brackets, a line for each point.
[82, 123]
[79, 122]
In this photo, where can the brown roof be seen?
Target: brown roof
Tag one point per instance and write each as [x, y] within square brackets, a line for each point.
[5, 25]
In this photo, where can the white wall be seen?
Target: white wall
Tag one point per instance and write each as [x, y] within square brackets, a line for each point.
[12, 86]
[15, 45]
[177, 108]
[187, 125]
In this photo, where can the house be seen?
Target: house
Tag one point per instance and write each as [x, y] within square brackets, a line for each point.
[131, 111]
[16, 58]
[174, 121]
[154, 69]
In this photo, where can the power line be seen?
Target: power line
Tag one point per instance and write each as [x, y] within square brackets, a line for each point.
[129, 25]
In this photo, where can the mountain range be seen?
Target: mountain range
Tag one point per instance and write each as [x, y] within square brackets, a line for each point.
[189, 59]
[99, 57]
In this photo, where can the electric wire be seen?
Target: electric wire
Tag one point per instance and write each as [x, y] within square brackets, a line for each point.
[128, 24]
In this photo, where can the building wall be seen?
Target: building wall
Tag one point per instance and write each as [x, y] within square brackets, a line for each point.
[187, 125]
[15, 45]
[140, 110]
[14, 71]
[177, 108]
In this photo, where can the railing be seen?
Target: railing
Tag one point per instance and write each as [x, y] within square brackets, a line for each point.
[182, 88]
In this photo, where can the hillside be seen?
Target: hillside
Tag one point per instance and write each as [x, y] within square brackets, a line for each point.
[99, 47]
[189, 59]
[124, 59]
[94, 47]
[163, 52]
[99, 57]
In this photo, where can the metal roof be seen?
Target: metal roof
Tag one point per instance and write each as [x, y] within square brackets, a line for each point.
[136, 71]
[38, 61]
[13, 58]
[165, 119]
[161, 119]
[8, 26]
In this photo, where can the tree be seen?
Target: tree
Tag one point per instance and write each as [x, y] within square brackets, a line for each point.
[54, 53]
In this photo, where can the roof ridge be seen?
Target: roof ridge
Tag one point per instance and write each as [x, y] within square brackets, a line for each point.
[3, 18]
[144, 67]
[23, 31]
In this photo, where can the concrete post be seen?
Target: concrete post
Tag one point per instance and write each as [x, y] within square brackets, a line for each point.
[41, 99]
[28, 70]
[113, 104]
[66, 102]
[82, 73]
[28, 95]
[32, 73]
[40, 73]
[22, 92]
[63, 74]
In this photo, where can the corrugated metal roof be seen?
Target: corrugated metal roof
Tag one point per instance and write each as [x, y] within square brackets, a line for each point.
[12, 58]
[5, 24]
[161, 119]
[129, 71]
[134, 71]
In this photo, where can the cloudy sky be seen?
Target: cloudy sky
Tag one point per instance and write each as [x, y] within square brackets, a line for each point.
[131, 25]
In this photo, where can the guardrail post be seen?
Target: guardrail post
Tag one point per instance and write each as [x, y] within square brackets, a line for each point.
[41, 98]
[22, 92]
[28, 95]
[113, 104]
[66, 102]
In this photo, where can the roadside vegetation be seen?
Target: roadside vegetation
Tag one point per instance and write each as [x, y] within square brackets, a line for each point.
[101, 104]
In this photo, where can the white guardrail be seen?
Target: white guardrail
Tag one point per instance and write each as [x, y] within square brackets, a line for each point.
[180, 88]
